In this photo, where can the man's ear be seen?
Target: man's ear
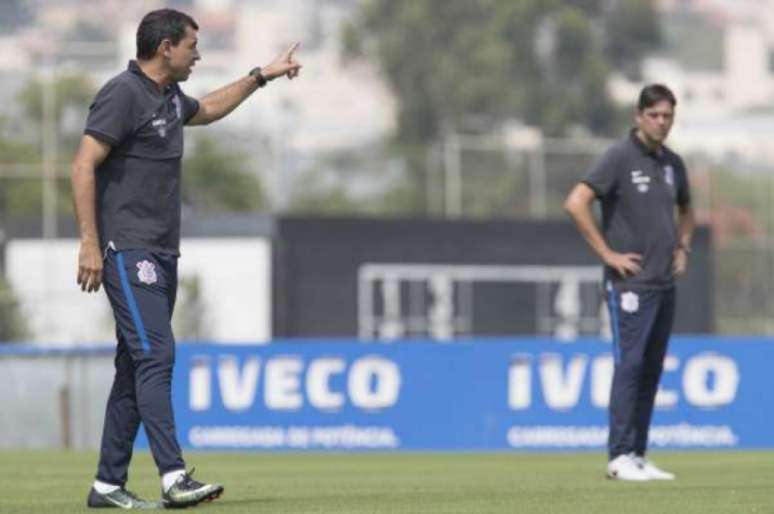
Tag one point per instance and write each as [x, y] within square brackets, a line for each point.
[165, 48]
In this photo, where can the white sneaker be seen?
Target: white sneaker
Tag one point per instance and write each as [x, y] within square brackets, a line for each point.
[653, 471]
[624, 467]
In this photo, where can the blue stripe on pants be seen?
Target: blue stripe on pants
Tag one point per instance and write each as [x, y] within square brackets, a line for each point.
[612, 304]
[130, 301]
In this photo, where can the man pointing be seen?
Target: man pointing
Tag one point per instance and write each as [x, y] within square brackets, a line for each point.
[126, 187]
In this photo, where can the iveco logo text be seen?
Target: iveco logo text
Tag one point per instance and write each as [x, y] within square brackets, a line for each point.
[372, 382]
[709, 380]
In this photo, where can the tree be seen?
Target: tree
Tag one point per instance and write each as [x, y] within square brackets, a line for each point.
[440, 58]
[378, 180]
[70, 92]
[216, 180]
[342, 183]
[467, 65]
[21, 195]
[633, 30]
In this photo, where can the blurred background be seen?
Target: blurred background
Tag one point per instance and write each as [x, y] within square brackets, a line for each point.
[410, 183]
[473, 110]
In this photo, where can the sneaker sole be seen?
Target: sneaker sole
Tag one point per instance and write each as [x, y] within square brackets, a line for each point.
[613, 476]
[212, 497]
[110, 505]
[209, 497]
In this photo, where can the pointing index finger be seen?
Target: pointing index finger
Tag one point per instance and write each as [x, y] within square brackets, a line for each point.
[293, 48]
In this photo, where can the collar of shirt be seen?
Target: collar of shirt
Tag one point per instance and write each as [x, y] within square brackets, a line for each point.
[642, 147]
[134, 67]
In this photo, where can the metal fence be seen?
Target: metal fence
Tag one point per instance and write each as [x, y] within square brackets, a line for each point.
[483, 181]
[462, 176]
[734, 197]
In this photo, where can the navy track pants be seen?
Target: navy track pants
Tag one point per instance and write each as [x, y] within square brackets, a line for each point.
[141, 287]
[641, 322]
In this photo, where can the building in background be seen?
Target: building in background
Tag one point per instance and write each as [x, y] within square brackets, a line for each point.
[336, 105]
[718, 57]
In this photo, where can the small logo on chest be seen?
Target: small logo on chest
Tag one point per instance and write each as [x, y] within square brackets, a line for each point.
[640, 181]
[160, 124]
[146, 272]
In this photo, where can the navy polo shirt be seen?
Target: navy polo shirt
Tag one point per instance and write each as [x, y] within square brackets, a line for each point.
[138, 184]
[638, 190]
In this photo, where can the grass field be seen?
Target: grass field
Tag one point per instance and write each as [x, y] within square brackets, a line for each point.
[57, 482]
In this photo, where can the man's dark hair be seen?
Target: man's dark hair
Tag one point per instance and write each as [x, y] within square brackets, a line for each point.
[159, 25]
[653, 94]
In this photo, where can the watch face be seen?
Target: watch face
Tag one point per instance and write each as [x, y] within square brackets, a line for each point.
[256, 72]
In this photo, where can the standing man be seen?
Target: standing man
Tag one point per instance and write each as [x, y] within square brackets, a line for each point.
[643, 246]
[126, 188]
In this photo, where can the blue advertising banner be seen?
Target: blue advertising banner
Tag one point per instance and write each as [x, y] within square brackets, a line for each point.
[482, 394]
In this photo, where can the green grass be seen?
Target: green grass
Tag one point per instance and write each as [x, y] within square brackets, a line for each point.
[57, 482]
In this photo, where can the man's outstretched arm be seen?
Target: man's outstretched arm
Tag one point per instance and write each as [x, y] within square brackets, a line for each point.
[91, 152]
[222, 101]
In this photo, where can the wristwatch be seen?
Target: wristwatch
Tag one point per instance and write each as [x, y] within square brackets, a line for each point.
[258, 76]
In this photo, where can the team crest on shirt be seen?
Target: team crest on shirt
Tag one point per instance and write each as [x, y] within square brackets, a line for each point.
[630, 302]
[669, 175]
[178, 106]
[146, 272]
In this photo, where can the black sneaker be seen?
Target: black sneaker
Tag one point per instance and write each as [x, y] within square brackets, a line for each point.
[118, 499]
[187, 492]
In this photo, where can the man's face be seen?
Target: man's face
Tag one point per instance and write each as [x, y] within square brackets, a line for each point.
[654, 122]
[182, 57]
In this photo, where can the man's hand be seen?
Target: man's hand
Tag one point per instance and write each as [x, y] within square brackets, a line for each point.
[89, 266]
[221, 102]
[625, 264]
[283, 64]
[91, 153]
[680, 262]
